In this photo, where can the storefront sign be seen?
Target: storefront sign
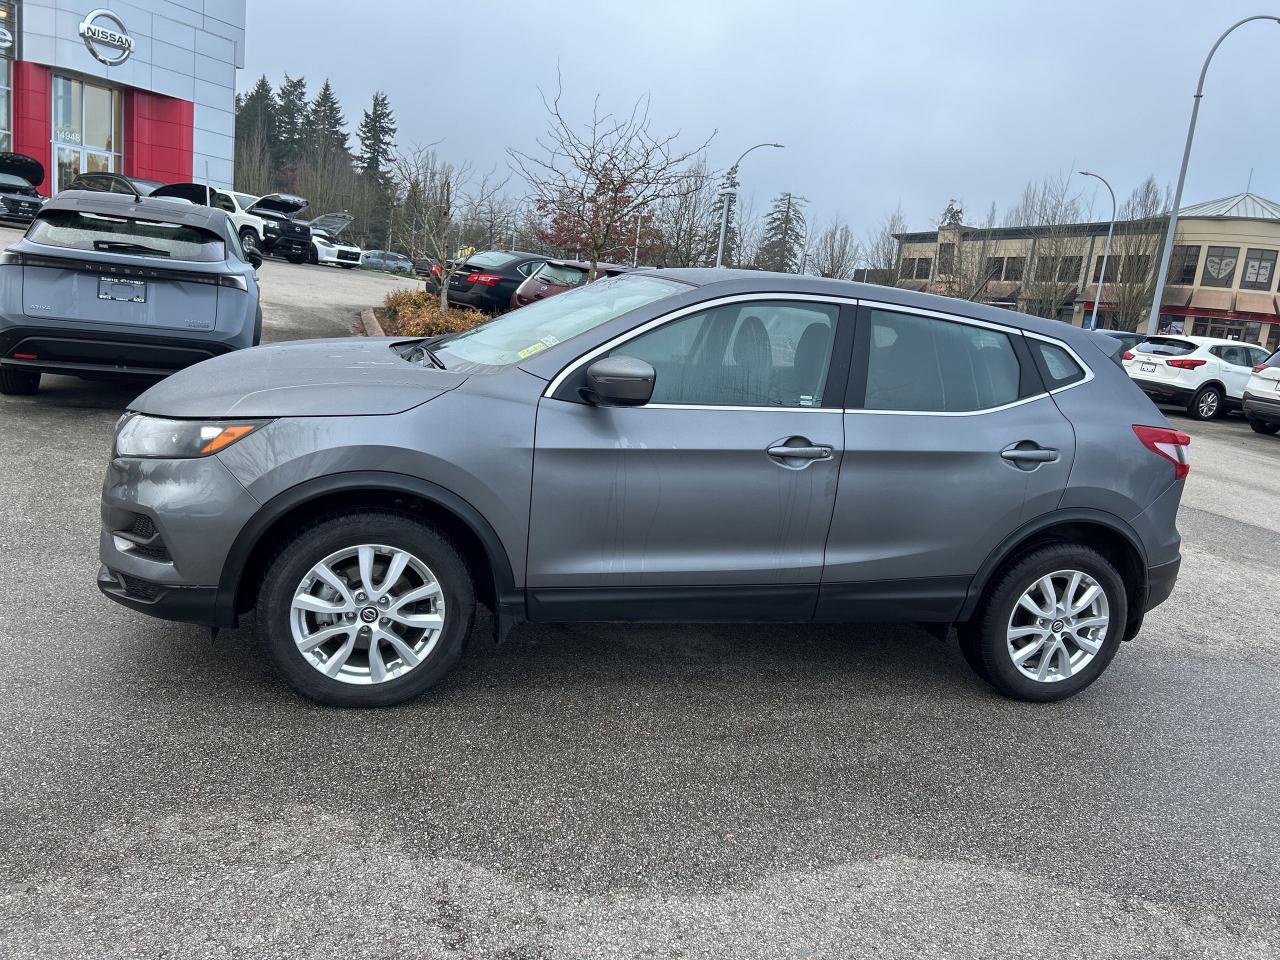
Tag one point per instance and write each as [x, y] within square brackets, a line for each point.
[106, 37]
[6, 42]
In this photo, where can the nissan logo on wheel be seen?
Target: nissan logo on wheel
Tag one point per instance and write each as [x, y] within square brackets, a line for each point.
[106, 37]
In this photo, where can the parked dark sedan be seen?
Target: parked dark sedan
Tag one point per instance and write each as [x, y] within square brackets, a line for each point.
[19, 177]
[557, 276]
[487, 280]
[103, 182]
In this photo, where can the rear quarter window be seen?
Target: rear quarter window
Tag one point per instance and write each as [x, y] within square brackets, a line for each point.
[81, 230]
[1058, 368]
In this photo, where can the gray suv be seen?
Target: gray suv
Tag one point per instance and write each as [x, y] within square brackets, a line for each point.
[105, 284]
[679, 445]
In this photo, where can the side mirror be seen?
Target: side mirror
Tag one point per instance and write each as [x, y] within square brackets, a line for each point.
[254, 257]
[619, 382]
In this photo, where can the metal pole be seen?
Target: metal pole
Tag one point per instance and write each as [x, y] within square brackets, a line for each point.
[635, 251]
[1106, 250]
[1167, 252]
[727, 194]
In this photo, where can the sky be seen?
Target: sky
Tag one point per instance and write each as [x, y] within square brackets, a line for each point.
[879, 105]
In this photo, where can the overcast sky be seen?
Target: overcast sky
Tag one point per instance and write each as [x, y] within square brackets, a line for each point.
[907, 102]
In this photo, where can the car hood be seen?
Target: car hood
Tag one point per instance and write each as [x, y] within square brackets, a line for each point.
[20, 165]
[356, 376]
[332, 223]
[196, 193]
[283, 203]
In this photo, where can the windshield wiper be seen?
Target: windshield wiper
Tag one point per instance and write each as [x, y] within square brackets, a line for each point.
[120, 246]
[429, 354]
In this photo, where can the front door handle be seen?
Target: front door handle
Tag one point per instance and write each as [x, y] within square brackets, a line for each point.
[803, 452]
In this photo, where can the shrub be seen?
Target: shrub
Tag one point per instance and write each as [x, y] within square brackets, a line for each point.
[416, 313]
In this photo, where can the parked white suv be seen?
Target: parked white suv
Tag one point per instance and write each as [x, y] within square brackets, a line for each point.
[248, 226]
[1262, 396]
[1205, 375]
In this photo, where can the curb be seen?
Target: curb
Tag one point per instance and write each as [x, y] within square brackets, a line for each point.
[372, 328]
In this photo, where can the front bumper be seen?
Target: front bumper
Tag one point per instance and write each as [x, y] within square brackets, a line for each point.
[167, 527]
[281, 246]
[1264, 409]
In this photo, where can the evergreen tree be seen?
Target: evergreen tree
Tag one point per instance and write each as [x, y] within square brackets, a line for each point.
[377, 133]
[784, 235]
[291, 120]
[326, 127]
[728, 182]
[256, 115]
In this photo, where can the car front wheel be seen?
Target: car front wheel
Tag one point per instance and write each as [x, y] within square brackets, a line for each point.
[19, 382]
[1206, 404]
[1049, 624]
[365, 609]
[249, 240]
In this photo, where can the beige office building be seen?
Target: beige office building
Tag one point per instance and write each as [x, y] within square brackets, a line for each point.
[1221, 281]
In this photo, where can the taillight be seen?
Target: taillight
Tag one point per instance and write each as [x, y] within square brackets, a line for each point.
[1127, 355]
[1184, 364]
[485, 279]
[25, 356]
[1169, 444]
[1259, 368]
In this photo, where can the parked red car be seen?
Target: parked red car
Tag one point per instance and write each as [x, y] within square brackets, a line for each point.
[557, 276]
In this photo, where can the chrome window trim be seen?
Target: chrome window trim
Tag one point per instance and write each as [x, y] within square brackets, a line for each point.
[572, 367]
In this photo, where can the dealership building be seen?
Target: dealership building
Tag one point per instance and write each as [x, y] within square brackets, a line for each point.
[145, 88]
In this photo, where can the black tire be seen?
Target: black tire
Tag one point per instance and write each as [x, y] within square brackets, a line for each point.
[1267, 429]
[347, 266]
[17, 383]
[987, 634]
[312, 256]
[1206, 404]
[296, 257]
[249, 240]
[295, 558]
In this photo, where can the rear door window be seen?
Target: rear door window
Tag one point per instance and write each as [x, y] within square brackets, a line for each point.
[1166, 346]
[925, 364]
[81, 230]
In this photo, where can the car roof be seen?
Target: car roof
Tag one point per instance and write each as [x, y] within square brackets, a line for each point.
[122, 205]
[762, 281]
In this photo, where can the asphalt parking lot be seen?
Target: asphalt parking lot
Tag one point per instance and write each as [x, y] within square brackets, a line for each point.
[620, 791]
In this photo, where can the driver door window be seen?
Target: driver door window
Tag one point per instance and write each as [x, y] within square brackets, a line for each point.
[758, 354]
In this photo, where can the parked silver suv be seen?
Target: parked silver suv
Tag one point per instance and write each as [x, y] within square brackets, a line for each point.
[676, 445]
[104, 284]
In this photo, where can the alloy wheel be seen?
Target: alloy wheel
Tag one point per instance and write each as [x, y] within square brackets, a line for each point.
[1208, 404]
[1058, 626]
[367, 614]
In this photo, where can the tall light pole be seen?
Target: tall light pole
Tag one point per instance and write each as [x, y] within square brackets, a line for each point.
[1106, 250]
[726, 197]
[1154, 321]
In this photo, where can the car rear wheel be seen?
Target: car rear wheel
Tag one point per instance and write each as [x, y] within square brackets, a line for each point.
[1049, 625]
[1269, 429]
[1206, 404]
[19, 382]
[365, 609]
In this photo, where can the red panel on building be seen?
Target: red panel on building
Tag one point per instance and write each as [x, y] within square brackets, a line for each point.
[159, 134]
[33, 115]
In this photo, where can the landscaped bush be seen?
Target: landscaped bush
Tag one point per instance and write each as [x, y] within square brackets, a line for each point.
[416, 313]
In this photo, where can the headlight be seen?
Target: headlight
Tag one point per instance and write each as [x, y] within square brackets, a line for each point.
[143, 436]
[322, 241]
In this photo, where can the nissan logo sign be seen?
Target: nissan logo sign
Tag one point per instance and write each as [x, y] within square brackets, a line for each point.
[106, 37]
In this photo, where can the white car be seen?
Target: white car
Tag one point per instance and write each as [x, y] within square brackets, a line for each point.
[248, 226]
[1205, 375]
[1262, 396]
[326, 248]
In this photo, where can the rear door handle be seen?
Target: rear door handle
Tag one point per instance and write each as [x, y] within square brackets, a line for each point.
[800, 453]
[1028, 452]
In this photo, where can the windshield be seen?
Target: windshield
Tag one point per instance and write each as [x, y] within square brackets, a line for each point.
[529, 330]
[245, 200]
[95, 231]
[9, 180]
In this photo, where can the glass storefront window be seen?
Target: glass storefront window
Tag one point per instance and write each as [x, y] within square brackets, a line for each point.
[87, 126]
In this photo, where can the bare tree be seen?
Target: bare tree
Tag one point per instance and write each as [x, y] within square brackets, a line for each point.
[688, 223]
[1135, 252]
[439, 205]
[749, 234]
[881, 249]
[1054, 213]
[834, 252]
[592, 179]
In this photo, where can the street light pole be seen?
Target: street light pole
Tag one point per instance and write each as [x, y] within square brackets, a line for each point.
[1106, 250]
[1154, 320]
[727, 196]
